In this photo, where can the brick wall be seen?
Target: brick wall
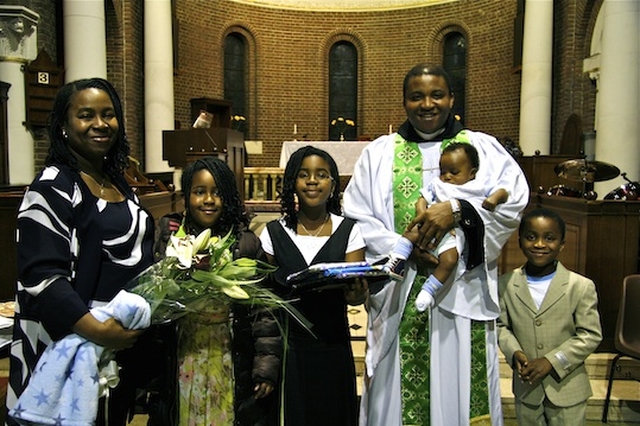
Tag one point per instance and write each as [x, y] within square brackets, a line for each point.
[125, 66]
[288, 53]
[573, 92]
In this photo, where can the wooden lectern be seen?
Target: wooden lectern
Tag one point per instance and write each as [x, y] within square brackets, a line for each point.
[182, 147]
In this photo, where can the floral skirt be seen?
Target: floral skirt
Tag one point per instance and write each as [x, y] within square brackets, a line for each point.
[205, 369]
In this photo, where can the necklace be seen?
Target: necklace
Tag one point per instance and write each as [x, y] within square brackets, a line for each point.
[100, 184]
[326, 219]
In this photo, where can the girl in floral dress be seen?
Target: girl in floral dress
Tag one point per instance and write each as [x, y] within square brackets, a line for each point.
[228, 356]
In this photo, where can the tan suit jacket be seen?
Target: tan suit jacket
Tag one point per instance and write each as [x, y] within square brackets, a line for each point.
[565, 330]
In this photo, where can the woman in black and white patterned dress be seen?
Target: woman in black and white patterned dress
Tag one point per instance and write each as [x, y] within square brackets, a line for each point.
[82, 235]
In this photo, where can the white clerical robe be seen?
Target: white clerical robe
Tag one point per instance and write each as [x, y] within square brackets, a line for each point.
[369, 199]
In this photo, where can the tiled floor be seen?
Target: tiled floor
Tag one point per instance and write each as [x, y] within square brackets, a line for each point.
[625, 401]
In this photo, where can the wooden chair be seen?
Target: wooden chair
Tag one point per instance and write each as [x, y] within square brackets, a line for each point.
[627, 335]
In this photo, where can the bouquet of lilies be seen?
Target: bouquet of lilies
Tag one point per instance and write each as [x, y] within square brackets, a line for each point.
[199, 270]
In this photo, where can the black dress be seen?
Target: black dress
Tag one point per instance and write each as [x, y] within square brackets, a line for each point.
[76, 251]
[319, 375]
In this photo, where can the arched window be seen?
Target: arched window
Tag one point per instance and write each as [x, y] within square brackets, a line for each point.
[343, 90]
[235, 79]
[455, 62]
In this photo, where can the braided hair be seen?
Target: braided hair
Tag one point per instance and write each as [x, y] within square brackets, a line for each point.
[234, 214]
[117, 159]
[287, 198]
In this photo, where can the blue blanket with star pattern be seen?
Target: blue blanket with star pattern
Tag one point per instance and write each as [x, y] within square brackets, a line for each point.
[66, 384]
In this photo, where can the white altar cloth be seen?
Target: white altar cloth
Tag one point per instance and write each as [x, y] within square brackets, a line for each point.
[344, 153]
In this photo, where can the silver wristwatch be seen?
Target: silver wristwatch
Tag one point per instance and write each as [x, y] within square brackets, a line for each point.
[456, 210]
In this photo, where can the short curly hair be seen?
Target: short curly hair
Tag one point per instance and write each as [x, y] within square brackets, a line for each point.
[426, 68]
[469, 150]
[544, 213]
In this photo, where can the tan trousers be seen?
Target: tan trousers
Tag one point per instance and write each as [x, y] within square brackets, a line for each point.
[547, 414]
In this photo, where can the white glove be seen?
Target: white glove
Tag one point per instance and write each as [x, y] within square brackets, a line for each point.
[424, 301]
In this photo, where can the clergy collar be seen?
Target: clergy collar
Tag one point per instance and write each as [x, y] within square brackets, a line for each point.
[409, 133]
[429, 136]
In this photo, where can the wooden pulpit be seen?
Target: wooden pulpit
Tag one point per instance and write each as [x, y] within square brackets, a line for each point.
[182, 147]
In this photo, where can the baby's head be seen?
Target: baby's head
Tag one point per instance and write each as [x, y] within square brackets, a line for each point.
[459, 163]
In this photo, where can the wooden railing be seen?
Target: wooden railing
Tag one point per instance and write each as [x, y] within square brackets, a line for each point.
[262, 183]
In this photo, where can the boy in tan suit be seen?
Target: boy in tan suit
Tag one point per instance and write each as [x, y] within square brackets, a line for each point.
[549, 324]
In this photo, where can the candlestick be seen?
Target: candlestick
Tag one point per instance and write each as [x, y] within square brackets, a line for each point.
[390, 129]
[295, 129]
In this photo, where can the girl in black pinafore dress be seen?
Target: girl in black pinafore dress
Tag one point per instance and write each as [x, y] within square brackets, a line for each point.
[318, 384]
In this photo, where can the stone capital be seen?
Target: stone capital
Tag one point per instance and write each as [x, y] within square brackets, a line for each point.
[18, 35]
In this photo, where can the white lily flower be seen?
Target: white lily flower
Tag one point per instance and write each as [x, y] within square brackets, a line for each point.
[202, 241]
[183, 249]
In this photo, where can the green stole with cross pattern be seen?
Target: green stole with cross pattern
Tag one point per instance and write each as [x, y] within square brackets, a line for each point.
[414, 327]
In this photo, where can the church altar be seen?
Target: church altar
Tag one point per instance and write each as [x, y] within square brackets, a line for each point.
[345, 153]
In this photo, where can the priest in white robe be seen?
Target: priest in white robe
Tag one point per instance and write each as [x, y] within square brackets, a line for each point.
[373, 199]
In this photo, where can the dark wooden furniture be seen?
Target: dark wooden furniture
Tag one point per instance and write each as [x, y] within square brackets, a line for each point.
[627, 336]
[43, 78]
[219, 108]
[4, 133]
[602, 242]
[142, 184]
[539, 170]
[182, 147]
[10, 199]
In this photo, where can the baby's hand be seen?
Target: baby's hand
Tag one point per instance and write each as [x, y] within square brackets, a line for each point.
[492, 201]
[489, 204]
[412, 234]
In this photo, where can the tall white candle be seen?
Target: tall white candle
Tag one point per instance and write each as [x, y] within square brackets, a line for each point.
[390, 129]
[295, 129]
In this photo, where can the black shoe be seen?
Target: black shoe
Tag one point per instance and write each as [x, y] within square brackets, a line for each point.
[394, 265]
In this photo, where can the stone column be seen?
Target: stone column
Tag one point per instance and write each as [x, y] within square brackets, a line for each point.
[158, 81]
[535, 92]
[18, 46]
[85, 46]
[618, 131]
